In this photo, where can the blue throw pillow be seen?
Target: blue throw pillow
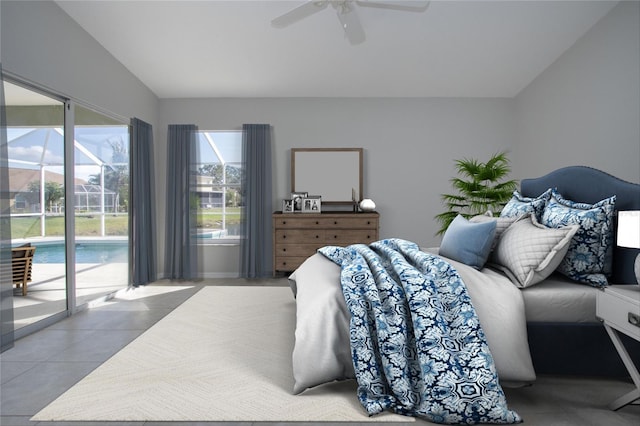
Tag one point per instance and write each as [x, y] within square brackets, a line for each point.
[467, 242]
[589, 257]
[519, 206]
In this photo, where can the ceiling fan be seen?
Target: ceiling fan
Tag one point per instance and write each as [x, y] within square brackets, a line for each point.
[346, 10]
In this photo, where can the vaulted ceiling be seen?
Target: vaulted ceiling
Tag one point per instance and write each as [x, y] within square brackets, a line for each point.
[191, 49]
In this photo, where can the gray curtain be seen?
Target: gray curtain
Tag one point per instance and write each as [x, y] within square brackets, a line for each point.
[180, 260]
[142, 218]
[6, 282]
[256, 243]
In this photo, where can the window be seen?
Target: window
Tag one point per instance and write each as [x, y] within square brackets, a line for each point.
[219, 186]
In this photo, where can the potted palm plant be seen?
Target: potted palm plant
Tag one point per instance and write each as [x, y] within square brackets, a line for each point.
[480, 187]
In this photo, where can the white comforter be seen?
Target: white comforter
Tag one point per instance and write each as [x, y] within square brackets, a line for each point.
[322, 354]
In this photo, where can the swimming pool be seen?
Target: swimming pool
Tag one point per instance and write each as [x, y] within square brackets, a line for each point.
[217, 234]
[86, 252]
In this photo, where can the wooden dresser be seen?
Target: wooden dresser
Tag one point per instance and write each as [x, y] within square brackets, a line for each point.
[296, 236]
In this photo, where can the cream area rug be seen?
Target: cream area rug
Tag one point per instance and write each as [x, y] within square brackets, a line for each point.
[223, 355]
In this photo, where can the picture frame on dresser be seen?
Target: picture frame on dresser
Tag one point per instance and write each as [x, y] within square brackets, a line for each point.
[297, 197]
[312, 204]
[287, 205]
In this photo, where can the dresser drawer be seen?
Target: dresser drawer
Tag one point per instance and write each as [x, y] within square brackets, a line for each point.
[614, 306]
[350, 223]
[288, 263]
[315, 222]
[295, 250]
[297, 221]
[299, 236]
[348, 237]
[322, 237]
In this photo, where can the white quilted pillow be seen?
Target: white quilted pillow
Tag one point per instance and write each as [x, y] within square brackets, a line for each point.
[529, 252]
[502, 223]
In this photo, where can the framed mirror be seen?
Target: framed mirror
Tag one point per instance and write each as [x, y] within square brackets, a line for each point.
[332, 173]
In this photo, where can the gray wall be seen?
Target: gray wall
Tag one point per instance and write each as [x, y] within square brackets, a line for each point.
[42, 44]
[582, 110]
[409, 147]
[585, 108]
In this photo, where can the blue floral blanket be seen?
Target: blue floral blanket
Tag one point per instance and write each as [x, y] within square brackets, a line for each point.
[417, 345]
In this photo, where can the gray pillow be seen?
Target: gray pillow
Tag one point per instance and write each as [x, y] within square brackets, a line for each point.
[528, 252]
[467, 242]
[502, 223]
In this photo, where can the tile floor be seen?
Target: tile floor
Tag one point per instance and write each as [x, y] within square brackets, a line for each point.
[47, 292]
[43, 365]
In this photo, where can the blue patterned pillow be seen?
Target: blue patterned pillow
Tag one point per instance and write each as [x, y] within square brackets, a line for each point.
[467, 242]
[589, 257]
[519, 205]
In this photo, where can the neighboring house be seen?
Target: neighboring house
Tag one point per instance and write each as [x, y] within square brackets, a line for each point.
[209, 197]
[24, 201]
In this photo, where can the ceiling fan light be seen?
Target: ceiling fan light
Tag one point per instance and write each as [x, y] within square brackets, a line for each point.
[352, 26]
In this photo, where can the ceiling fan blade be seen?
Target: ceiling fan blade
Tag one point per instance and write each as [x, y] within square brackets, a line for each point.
[408, 5]
[350, 23]
[300, 12]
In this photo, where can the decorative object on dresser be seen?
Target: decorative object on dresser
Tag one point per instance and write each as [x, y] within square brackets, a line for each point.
[296, 197]
[287, 206]
[367, 205]
[312, 204]
[629, 235]
[296, 237]
[618, 306]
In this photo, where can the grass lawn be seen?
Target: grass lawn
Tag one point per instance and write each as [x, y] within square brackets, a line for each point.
[212, 218]
[87, 226]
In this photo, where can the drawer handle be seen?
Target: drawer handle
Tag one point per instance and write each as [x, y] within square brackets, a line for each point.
[284, 249]
[335, 236]
[368, 222]
[317, 223]
[284, 222]
[634, 319]
[284, 236]
[335, 222]
[317, 236]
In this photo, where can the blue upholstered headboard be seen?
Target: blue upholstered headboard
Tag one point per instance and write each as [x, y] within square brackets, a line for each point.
[589, 185]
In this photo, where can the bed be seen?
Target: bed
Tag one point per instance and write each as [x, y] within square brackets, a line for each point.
[534, 319]
[581, 345]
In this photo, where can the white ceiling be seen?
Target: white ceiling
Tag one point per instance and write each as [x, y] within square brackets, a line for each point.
[191, 49]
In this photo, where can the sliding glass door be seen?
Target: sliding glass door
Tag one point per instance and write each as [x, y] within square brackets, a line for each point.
[36, 162]
[101, 205]
[69, 193]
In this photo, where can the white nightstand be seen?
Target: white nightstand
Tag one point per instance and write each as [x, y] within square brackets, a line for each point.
[618, 306]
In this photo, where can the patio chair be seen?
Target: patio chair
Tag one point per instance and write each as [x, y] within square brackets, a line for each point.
[21, 263]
